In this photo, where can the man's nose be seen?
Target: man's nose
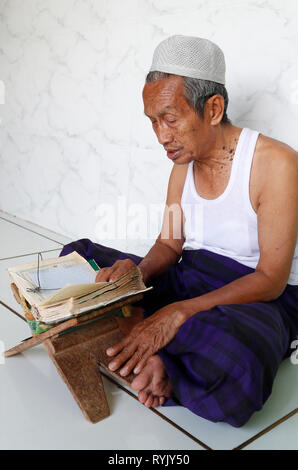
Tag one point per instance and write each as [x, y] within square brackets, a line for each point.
[164, 135]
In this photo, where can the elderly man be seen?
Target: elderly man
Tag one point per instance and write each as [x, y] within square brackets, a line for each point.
[224, 308]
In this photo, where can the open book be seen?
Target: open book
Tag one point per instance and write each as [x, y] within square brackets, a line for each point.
[59, 288]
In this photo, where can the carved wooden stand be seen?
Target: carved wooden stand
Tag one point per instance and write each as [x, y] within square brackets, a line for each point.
[77, 347]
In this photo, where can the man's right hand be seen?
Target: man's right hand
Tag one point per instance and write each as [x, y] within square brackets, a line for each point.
[115, 271]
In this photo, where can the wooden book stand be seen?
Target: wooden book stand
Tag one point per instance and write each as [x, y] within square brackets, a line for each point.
[78, 346]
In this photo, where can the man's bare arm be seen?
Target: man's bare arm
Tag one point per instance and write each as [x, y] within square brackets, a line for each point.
[277, 234]
[168, 246]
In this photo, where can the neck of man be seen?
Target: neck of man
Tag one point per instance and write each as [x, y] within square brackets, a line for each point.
[219, 150]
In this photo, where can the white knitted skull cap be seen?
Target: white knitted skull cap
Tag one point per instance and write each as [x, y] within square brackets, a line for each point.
[190, 56]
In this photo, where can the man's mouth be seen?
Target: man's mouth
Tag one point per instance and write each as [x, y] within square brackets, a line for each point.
[173, 154]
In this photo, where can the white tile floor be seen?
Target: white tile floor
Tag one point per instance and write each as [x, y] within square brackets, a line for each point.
[38, 412]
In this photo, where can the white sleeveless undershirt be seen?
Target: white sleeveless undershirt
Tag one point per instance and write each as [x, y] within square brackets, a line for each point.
[227, 225]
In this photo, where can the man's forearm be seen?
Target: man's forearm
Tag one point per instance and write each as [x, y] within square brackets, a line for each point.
[254, 287]
[158, 259]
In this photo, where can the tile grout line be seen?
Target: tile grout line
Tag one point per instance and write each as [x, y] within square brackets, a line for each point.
[266, 430]
[197, 441]
[29, 254]
[29, 230]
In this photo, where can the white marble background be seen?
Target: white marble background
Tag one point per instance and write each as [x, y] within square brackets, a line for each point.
[72, 133]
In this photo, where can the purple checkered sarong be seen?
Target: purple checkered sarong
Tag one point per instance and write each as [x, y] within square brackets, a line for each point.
[223, 361]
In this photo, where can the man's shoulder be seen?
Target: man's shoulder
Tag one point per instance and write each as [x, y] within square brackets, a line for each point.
[275, 154]
[276, 165]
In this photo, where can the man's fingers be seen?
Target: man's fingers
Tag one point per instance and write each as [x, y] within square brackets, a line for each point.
[116, 348]
[109, 275]
[115, 271]
[140, 365]
[116, 274]
[120, 269]
[103, 275]
[131, 363]
[126, 353]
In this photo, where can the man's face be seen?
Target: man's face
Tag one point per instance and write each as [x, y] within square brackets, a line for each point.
[176, 125]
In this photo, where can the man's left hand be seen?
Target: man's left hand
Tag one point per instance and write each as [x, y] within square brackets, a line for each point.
[146, 338]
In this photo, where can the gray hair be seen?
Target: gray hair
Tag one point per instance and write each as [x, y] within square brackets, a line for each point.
[197, 92]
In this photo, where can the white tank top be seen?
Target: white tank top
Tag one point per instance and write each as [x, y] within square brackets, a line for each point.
[227, 225]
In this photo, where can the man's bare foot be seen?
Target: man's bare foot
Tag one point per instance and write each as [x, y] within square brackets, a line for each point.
[152, 383]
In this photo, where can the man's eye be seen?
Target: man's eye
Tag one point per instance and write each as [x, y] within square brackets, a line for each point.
[171, 120]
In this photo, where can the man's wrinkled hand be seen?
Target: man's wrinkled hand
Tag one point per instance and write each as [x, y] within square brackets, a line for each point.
[146, 338]
[118, 269]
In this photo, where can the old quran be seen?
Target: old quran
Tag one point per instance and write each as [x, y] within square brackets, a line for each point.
[64, 287]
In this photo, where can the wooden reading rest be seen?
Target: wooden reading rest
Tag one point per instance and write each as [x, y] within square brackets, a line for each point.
[78, 346]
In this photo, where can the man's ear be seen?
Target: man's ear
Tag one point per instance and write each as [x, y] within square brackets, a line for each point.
[214, 109]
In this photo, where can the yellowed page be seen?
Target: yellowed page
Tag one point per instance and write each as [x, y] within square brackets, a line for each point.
[72, 291]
